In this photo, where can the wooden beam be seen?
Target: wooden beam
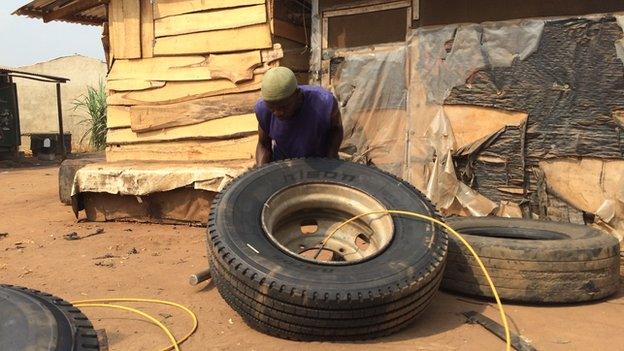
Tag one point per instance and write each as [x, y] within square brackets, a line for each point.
[236, 67]
[415, 10]
[164, 8]
[212, 20]
[367, 9]
[71, 9]
[257, 36]
[174, 92]
[146, 118]
[133, 84]
[289, 31]
[222, 128]
[132, 28]
[218, 150]
[117, 117]
[111, 35]
[125, 28]
[147, 29]
[106, 45]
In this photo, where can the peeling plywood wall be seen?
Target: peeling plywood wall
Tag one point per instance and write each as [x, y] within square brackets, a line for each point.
[185, 74]
[501, 118]
[571, 88]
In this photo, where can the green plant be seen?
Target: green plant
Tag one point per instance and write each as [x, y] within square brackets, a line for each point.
[94, 104]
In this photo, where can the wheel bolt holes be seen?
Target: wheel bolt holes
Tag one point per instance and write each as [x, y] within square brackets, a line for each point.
[362, 242]
[325, 255]
[309, 226]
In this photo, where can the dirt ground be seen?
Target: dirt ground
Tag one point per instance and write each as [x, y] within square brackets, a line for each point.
[154, 261]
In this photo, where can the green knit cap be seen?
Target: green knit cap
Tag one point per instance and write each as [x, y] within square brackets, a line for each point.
[278, 84]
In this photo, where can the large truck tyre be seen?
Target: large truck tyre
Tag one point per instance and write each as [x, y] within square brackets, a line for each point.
[372, 278]
[533, 261]
[35, 321]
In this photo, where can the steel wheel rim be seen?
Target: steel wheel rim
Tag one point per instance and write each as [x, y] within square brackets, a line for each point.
[297, 219]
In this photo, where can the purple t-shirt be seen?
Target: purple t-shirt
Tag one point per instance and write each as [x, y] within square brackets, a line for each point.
[306, 134]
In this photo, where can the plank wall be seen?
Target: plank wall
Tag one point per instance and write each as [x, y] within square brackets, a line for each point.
[185, 76]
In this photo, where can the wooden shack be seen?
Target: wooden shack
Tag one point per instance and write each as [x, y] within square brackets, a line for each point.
[185, 75]
[490, 107]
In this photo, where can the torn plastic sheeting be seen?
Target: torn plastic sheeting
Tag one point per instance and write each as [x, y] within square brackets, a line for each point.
[371, 81]
[472, 124]
[477, 204]
[509, 209]
[506, 41]
[145, 178]
[590, 185]
[371, 86]
[442, 70]
[606, 211]
[443, 185]
[440, 134]
[476, 146]
[445, 190]
[570, 113]
[585, 183]
[619, 45]
[371, 90]
[451, 54]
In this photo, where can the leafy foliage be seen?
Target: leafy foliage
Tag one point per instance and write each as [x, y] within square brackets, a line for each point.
[94, 104]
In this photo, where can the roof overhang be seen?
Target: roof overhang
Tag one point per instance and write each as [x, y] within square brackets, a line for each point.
[88, 12]
[4, 71]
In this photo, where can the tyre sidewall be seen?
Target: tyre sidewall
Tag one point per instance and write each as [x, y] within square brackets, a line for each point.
[415, 248]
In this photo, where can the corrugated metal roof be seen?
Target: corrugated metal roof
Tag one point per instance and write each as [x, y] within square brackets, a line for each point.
[40, 8]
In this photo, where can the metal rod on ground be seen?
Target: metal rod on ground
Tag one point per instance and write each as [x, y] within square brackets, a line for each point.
[517, 342]
[199, 277]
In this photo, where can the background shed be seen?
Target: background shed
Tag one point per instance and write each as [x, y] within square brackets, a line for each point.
[517, 116]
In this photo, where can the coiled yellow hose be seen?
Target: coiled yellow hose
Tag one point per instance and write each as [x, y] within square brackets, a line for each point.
[107, 303]
[458, 236]
[175, 344]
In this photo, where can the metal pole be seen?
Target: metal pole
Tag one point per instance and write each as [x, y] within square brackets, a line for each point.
[60, 120]
[18, 131]
[200, 277]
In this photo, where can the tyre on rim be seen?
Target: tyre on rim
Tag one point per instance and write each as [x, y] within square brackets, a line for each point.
[372, 278]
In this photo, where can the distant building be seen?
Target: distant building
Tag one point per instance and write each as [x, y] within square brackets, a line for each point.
[37, 101]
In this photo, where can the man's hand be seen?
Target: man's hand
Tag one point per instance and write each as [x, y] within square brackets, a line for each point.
[264, 152]
[336, 132]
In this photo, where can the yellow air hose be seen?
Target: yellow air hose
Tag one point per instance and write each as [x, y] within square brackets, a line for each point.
[175, 344]
[458, 236]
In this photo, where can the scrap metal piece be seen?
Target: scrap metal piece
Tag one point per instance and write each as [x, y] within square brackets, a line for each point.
[200, 277]
[517, 342]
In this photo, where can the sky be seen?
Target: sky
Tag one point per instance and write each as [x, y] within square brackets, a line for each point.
[24, 41]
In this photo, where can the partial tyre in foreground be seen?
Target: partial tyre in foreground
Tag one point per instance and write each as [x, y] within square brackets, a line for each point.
[372, 278]
[533, 261]
[35, 321]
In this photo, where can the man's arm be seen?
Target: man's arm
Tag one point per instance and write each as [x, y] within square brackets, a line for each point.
[335, 131]
[264, 151]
